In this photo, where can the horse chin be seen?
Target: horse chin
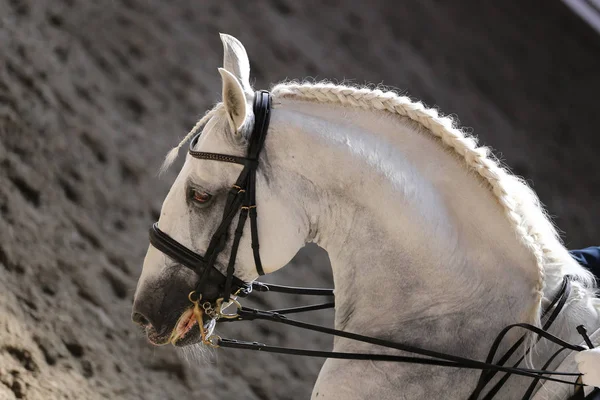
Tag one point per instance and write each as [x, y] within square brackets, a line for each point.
[156, 338]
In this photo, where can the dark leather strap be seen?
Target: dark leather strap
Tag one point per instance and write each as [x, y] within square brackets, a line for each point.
[535, 382]
[221, 157]
[239, 344]
[241, 199]
[234, 248]
[249, 314]
[176, 251]
[439, 359]
[559, 301]
[217, 156]
[296, 310]
[595, 395]
[271, 287]
[262, 118]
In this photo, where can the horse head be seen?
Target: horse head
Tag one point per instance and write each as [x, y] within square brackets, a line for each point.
[209, 184]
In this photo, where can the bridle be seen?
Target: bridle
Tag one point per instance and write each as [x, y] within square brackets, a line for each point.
[241, 198]
[217, 290]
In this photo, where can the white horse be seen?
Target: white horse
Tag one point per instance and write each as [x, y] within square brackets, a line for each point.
[431, 241]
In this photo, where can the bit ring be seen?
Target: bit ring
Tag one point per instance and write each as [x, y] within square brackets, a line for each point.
[220, 308]
[192, 294]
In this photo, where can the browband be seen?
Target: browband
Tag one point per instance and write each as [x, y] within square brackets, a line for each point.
[217, 156]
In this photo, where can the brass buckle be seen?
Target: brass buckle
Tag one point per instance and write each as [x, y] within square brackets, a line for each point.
[212, 340]
[239, 189]
[214, 313]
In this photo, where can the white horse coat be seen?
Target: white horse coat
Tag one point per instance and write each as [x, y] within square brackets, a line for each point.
[431, 241]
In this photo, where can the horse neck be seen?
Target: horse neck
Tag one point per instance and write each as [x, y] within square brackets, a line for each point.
[407, 227]
[420, 248]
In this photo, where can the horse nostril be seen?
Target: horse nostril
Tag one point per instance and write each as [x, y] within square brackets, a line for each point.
[139, 319]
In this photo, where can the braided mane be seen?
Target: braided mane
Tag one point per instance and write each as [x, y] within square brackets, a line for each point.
[520, 203]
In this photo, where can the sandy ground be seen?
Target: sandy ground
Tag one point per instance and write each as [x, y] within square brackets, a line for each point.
[92, 94]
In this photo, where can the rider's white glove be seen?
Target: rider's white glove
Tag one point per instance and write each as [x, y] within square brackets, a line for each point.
[588, 362]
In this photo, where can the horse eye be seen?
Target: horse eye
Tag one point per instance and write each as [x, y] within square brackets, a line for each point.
[200, 197]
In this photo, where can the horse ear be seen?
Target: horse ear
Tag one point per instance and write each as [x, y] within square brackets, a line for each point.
[234, 99]
[235, 61]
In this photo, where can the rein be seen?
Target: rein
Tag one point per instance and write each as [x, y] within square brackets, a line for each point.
[489, 368]
[216, 289]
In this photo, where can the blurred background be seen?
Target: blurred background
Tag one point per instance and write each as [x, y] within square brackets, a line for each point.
[93, 94]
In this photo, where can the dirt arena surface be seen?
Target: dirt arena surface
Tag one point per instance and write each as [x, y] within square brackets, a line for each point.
[93, 94]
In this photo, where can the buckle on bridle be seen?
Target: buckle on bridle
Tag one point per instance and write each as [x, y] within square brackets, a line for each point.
[239, 189]
[215, 312]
